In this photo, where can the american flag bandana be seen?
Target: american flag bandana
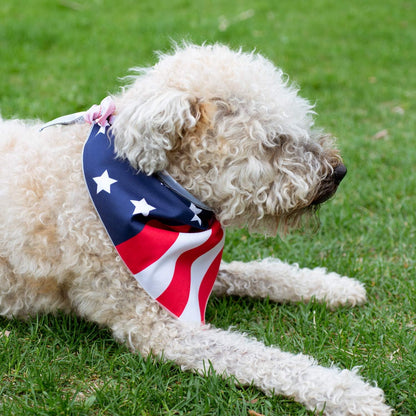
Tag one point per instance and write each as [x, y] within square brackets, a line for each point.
[170, 241]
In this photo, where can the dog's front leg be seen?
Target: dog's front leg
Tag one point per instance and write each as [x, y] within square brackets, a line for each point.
[251, 362]
[146, 327]
[282, 282]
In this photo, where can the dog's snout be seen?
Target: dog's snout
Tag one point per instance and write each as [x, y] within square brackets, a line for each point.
[339, 173]
[330, 185]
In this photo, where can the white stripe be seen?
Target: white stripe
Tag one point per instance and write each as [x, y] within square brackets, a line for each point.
[192, 313]
[156, 278]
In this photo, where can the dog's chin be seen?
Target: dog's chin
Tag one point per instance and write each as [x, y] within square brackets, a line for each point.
[326, 192]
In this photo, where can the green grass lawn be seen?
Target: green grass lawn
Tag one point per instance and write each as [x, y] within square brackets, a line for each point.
[356, 60]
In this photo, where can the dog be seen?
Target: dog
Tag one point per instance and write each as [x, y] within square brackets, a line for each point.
[238, 141]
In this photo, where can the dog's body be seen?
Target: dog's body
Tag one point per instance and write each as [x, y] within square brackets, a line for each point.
[231, 131]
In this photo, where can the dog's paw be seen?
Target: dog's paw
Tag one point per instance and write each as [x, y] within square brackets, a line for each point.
[343, 393]
[351, 396]
[329, 287]
[343, 291]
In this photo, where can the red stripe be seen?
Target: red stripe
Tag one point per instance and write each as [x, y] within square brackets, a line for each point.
[207, 284]
[176, 295]
[148, 246]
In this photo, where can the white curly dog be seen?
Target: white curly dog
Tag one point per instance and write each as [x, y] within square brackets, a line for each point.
[228, 127]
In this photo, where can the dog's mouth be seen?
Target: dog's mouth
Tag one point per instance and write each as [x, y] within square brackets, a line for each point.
[329, 186]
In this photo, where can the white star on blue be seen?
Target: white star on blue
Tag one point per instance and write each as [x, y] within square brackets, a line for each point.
[104, 182]
[196, 211]
[142, 207]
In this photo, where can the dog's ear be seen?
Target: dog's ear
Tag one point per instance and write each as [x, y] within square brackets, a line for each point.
[150, 122]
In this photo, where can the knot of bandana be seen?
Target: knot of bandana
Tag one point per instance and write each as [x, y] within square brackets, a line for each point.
[101, 114]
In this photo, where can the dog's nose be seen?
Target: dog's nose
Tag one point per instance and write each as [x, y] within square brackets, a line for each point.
[339, 172]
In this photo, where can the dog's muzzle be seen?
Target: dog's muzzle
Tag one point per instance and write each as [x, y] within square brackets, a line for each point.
[330, 185]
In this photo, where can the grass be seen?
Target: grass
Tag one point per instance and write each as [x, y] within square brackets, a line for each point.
[356, 59]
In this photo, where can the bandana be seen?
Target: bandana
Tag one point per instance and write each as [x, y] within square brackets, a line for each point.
[170, 241]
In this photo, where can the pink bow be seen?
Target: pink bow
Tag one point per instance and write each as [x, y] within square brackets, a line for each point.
[101, 114]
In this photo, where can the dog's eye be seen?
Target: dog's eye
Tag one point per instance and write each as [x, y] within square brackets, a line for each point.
[280, 139]
[312, 148]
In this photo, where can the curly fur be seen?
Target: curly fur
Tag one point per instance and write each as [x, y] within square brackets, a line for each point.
[233, 113]
[230, 128]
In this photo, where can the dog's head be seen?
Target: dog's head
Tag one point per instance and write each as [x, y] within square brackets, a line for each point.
[229, 128]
